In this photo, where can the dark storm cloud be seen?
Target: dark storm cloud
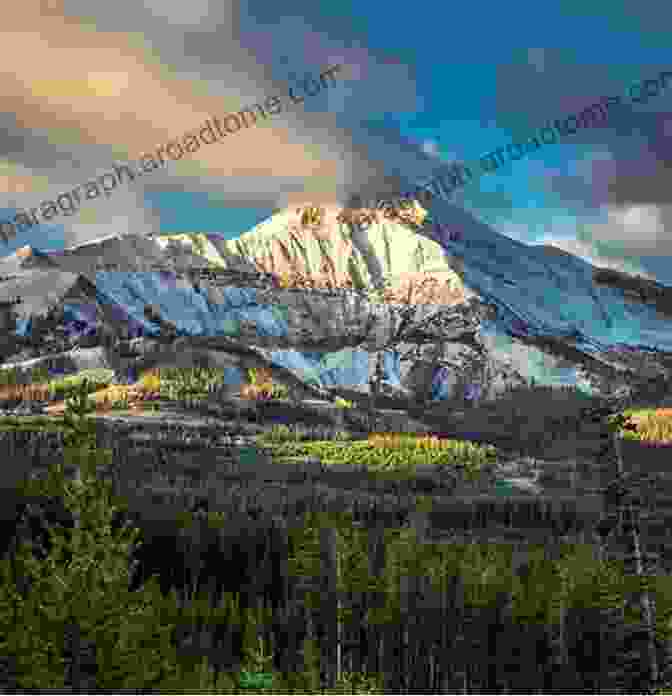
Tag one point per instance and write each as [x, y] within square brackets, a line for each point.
[646, 179]
[638, 138]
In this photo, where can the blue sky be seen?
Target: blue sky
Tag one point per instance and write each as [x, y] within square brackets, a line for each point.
[422, 87]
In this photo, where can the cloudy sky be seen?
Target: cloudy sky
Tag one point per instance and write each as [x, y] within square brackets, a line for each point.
[87, 83]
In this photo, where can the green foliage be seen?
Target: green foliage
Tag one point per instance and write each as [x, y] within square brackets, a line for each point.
[296, 433]
[120, 404]
[95, 379]
[343, 403]
[355, 275]
[653, 426]
[81, 429]
[279, 391]
[256, 680]
[532, 419]
[84, 580]
[11, 376]
[97, 375]
[572, 579]
[356, 683]
[263, 386]
[183, 383]
[661, 589]
[82, 583]
[620, 422]
[281, 433]
[198, 244]
[31, 423]
[403, 457]
[378, 294]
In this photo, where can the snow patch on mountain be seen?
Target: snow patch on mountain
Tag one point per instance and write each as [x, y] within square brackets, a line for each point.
[539, 294]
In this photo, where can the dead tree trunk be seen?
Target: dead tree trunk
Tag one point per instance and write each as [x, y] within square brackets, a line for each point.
[628, 521]
[375, 383]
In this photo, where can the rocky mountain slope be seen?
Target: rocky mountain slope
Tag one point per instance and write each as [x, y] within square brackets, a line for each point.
[334, 252]
[449, 302]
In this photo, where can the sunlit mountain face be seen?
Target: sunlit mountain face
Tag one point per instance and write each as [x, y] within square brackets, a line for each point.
[363, 248]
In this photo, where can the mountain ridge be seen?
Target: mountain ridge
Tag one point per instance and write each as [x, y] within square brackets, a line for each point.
[549, 314]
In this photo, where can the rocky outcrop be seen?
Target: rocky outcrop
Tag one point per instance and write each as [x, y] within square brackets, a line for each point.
[330, 250]
[637, 289]
[71, 361]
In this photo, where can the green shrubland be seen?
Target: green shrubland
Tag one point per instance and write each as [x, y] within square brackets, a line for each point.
[69, 385]
[392, 455]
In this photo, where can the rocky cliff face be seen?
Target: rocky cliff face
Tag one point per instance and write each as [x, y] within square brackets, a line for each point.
[329, 249]
[320, 293]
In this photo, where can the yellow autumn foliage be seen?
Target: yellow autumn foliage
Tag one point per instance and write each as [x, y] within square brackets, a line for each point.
[396, 440]
[150, 381]
[653, 425]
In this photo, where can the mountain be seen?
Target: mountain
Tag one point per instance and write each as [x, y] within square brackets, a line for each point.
[203, 246]
[558, 302]
[485, 310]
[335, 254]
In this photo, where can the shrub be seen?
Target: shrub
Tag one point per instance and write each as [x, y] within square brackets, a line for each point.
[400, 440]
[652, 425]
[298, 432]
[279, 391]
[343, 403]
[263, 392]
[95, 379]
[14, 376]
[32, 392]
[255, 392]
[150, 381]
[184, 383]
[261, 386]
[281, 433]
[119, 400]
[36, 385]
[259, 375]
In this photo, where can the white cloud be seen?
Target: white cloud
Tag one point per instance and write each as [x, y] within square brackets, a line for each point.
[430, 147]
[587, 252]
[640, 224]
[124, 212]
